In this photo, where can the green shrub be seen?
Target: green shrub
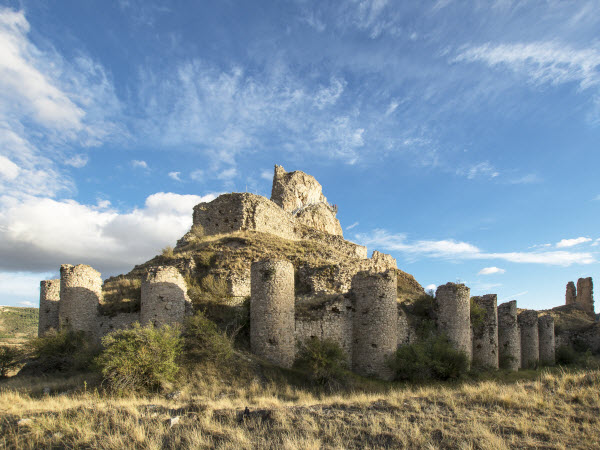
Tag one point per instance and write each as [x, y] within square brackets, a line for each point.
[61, 351]
[140, 359]
[431, 359]
[168, 252]
[10, 357]
[204, 342]
[478, 314]
[324, 361]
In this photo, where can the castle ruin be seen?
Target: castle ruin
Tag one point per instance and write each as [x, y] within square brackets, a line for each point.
[288, 256]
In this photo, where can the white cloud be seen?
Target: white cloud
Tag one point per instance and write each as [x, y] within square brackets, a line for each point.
[430, 287]
[228, 174]
[349, 227]
[490, 271]
[197, 175]
[139, 164]
[8, 169]
[22, 287]
[452, 250]
[483, 169]
[530, 178]
[41, 233]
[28, 304]
[266, 175]
[77, 161]
[543, 62]
[175, 176]
[392, 107]
[572, 242]
[329, 95]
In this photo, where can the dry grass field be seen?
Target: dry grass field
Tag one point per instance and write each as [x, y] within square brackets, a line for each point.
[553, 408]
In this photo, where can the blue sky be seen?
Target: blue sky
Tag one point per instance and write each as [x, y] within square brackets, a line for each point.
[461, 137]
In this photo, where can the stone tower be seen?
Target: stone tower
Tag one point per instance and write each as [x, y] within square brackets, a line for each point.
[585, 294]
[375, 324]
[164, 297]
[272, 308]
[546, 339]
[530, 344]
[454, 315]
[80, 295]
[485, 334]
[570, 294]
[509, 336]
[49, 301]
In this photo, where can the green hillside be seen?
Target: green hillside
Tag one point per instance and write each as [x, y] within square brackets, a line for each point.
[17, 323]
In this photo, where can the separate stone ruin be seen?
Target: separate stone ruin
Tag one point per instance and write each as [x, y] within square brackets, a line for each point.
[485, 333]
[375, 330]
[585, 295]
[454, 315]
[530, 344]
[49, 301]
[164, 297]
[509, 336]
[272, 312]
[571, 294]
[303, 281]
[80, 294]
[546, 340]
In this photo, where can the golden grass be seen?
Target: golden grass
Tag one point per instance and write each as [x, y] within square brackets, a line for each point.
[555, 409]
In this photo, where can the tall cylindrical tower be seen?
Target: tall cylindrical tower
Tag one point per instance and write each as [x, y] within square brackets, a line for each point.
[530, 344]
[163, 297]
[49, 301]
[80, 294]
[454, 315]
[272, 310]
[546, 338]
[375, 327]
[485, 332]
[509, 336]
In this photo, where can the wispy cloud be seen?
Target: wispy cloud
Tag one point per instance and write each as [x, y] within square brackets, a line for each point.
[453, 250]
[137, 164]
[572, 242]
[490, 271]
[175, 176]
[482, 169]
[349, 227]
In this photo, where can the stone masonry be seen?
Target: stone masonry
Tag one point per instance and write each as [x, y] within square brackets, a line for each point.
[164, 297]
[454, 315]
[485, 334]
[585, 294]
[375, 329]
[570, 294]
[80, 295]
[530, 344]
[295, 190]
[509, 336]
[49, 301]
[546, 339]
[272, 311]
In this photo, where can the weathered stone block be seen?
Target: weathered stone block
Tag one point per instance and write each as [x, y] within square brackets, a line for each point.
[509, 336]
[454, 315]
[49, 302]
[80, 295]
[585, 294]
[295, 190]
[546, 340]
[485, 334]
[570, 294]
[272, 312]
[320, 217]
[375, 328]
[164, 297]
[530, 344]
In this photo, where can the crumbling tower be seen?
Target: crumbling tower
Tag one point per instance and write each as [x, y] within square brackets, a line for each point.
[570, 294]
[375, 325]
[80, 294]
[485, 333]
[585, 294]
[49, 301]
[530, 344]
[454, 315]
[546, 339]
[272, 308]
[163, 297]
[509, 336]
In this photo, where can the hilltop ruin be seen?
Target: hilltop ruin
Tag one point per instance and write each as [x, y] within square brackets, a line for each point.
[284, 264]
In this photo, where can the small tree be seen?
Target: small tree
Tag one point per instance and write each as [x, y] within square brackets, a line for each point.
[60, 351]
[204, 342]
[10, 358]
[324, 361]
[140, 358]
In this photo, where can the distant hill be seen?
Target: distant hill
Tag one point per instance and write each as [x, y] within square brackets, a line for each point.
[17, 324]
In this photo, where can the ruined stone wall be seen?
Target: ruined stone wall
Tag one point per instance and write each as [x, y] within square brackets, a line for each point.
[485, 334]
[319, 217]
[49, 301]
[375, 328]
[530, 344]
[509, 336]
[570, 294]
[454, 315]
[272, 321]
[242, 211]
[546, 339]
[121, 321]
[407, 334]
[164, 297]
[330, 320]
[80, 295]
[585, 294]
[294, 190]
[346, 248]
